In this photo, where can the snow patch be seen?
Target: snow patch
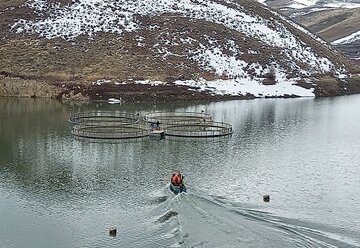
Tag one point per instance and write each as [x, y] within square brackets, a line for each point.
[237, 87]
[348, 39]
[101, 82]
[152, 83]
[343, 4]
[114, 101]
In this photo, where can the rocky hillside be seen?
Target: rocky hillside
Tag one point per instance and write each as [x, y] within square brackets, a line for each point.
[336, 21]
[163, 49]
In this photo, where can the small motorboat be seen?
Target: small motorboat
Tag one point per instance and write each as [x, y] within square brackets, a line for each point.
[177, 183]
[177, 189]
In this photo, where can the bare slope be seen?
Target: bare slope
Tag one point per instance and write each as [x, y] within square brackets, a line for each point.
[335, 21]
[332, 24]
[224, 48]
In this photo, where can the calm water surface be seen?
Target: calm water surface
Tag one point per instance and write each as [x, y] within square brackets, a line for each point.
[56, 191]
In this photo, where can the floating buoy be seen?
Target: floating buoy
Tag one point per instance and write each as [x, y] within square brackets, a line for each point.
[112, 231]
[266, 198]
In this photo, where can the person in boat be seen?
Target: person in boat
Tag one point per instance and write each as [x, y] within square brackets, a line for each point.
[157, 125]
[152, 126]
[177, 184]
[176, 179]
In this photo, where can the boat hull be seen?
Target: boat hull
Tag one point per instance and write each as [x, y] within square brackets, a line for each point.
[177, 189]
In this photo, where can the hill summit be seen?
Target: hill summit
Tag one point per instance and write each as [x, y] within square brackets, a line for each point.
[223, 48]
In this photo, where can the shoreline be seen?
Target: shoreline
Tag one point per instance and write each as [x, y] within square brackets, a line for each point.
[136, 92]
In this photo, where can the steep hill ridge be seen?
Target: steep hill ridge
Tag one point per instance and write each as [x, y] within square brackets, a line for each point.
[225, 48]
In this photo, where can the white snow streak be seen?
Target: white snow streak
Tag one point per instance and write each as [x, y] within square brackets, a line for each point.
[348, 39]
[243, 87]
[301, 4]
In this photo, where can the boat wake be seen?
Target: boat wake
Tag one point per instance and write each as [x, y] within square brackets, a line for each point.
[197, 220]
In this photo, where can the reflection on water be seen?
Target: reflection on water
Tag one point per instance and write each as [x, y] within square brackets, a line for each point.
[57, 191]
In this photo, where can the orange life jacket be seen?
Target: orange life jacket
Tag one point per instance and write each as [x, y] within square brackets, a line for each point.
[176, 180]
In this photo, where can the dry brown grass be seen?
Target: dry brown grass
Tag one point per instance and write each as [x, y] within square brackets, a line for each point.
[329, 86]
[19, 87]
[332, 24]
[58, 76]
[4, 4]
[354, 83]
[95, 77]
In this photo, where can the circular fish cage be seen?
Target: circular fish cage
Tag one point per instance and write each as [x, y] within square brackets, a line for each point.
[171, 117]
[118, 125]
[198, 130]
[102, 118]
[110, 132]
[107, 125]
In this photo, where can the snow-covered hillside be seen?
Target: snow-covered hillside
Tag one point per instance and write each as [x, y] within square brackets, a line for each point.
[236, 69]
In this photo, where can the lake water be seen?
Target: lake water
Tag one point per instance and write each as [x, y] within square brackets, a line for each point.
[57, 191]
